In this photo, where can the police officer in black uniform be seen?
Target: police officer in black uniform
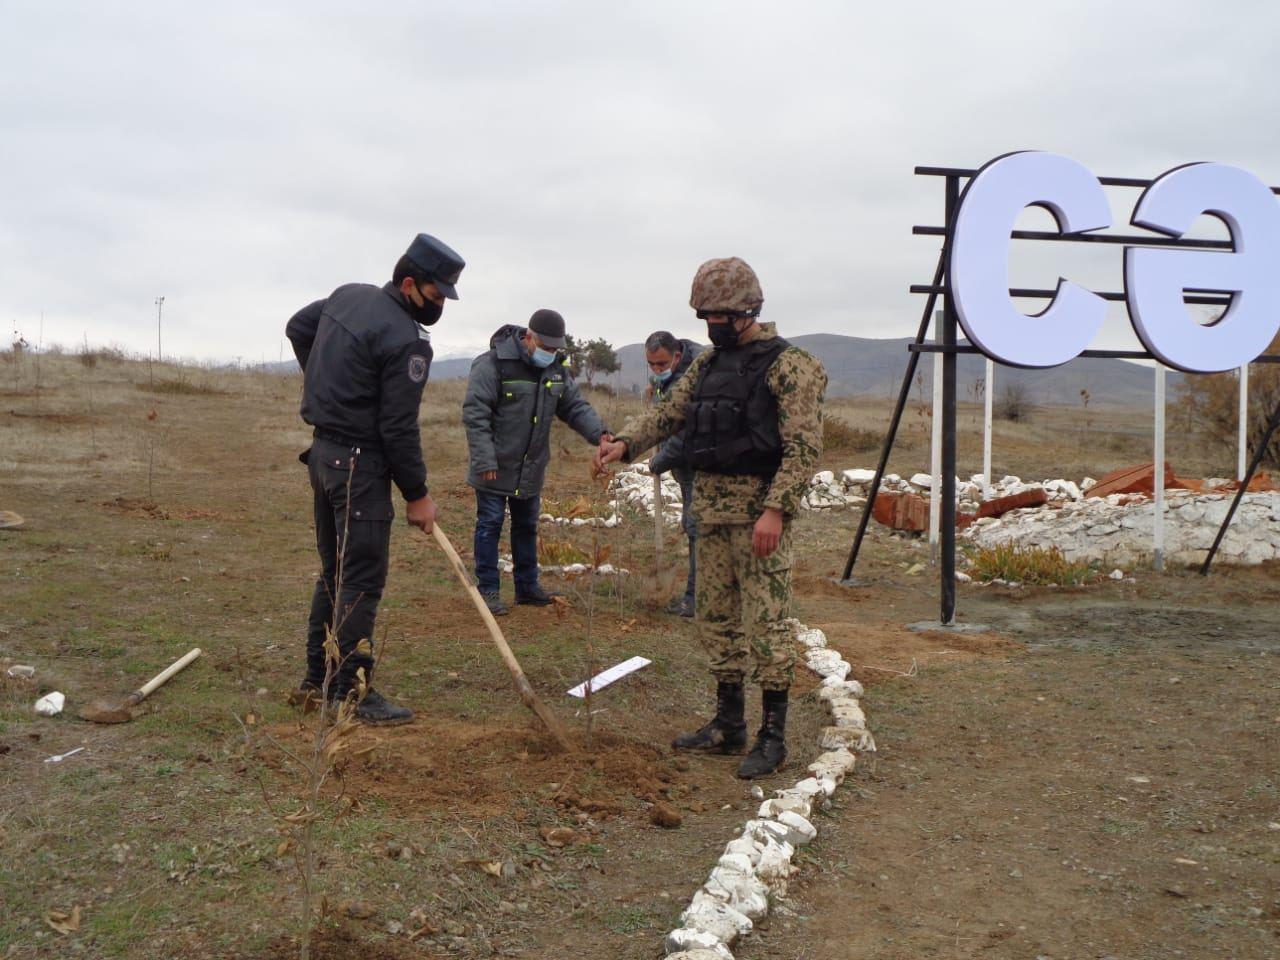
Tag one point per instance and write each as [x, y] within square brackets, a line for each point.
[365, 355]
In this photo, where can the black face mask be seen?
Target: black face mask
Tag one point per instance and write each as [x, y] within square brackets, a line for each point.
[428, 313]
[723, 336]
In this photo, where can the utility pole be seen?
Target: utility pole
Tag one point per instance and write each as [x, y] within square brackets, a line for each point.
[159, 311]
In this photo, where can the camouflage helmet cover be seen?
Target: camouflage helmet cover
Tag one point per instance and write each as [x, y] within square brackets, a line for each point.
[726, 284]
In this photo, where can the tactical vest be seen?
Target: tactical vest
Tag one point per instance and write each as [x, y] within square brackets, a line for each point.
[731, 424]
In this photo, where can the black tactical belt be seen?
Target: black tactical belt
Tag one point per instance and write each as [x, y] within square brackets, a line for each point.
[338, 438]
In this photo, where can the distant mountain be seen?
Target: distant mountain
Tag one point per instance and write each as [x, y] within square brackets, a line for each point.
[861, 366]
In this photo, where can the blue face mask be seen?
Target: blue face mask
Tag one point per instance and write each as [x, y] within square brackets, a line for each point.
[658, 379]
[543, 358]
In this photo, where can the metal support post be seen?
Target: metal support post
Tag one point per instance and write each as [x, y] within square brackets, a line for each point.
[947, 567]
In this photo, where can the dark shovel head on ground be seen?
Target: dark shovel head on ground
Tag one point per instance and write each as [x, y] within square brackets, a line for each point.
[104, 711]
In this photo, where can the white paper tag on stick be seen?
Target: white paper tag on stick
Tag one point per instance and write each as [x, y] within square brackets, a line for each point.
[606, 677]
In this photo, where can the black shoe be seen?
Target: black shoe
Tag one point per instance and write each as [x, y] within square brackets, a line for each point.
[770, 750]
[494, 602]
[536, 596]
[727, 731]
[375, 708]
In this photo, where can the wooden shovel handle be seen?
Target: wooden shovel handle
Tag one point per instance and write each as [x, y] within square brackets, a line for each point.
[527, 695]
[163, 676]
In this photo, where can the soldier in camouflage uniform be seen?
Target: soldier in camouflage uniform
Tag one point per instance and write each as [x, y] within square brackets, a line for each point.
[749, 412]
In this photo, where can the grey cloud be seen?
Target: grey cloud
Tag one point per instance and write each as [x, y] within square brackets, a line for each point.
[243, 160]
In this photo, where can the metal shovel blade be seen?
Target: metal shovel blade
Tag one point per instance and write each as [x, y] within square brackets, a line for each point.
[101, 711]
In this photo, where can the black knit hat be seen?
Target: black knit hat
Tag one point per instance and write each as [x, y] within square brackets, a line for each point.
[549, 326]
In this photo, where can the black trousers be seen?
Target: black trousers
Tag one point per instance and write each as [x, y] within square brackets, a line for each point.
[353, 513]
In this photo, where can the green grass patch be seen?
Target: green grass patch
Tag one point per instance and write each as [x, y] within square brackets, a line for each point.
[1035, 565]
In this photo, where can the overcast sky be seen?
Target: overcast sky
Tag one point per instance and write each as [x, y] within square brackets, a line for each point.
[243, 159]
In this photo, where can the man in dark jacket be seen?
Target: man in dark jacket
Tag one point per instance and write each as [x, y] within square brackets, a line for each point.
[668, 359]
[514, 392]
[365, 354]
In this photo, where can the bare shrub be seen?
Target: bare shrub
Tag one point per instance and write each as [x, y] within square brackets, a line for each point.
[1013, 404]
[1212, 404]
[839, 436]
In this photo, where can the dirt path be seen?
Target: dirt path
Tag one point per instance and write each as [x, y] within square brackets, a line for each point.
[1111, 791]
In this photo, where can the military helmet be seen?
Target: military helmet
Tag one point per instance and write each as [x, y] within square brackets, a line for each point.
[726, 285]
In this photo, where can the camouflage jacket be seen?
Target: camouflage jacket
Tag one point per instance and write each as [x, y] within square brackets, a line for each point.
[798, 383]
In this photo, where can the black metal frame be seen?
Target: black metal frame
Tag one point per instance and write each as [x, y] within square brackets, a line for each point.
[949, 348]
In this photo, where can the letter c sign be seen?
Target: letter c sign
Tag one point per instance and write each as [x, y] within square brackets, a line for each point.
[1154, 278]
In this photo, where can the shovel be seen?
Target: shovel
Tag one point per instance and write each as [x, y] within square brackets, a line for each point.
[527, 695]
[100, 711]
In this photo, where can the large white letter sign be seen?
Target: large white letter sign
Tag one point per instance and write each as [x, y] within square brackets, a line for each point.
[1154, 279]
[978, 267]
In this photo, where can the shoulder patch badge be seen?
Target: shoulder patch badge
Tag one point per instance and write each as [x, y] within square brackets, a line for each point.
[417, 368]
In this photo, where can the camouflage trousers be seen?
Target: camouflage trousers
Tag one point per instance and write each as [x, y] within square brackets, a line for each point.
[742, 601]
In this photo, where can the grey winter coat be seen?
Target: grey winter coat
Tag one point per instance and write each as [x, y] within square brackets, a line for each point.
[508, 411]
[670, 455]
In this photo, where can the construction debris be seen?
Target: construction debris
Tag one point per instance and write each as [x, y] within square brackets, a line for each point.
[51, 704]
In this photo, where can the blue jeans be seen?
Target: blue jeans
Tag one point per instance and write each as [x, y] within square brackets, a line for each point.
[490, 513]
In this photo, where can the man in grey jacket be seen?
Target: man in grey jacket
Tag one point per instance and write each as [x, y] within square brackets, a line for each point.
[514, 392]
[668, 359]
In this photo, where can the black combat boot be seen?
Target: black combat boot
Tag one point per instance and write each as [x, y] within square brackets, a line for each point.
[727, 731]
[375, 708]
[770, 750]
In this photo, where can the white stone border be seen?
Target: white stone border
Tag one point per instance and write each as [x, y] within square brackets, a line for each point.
[757, 864]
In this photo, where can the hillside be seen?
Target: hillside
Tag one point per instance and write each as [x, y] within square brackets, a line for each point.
[861, 366]
[867, 367]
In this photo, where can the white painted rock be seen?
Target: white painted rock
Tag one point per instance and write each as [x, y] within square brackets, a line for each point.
[813, 639]
[846, 713]
[850, 687]
[710, 915]
[744, 892]
[765, 831]
[832, 762]
[771, 808]
[699, 943]
[858, 476]
[775, 865]
[801, 831]
[847, 738]
[823, 478]
[813, 788]
[745, 847]
[827, 663]
[740, 862]
[698, 953]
